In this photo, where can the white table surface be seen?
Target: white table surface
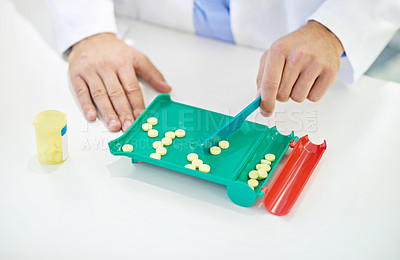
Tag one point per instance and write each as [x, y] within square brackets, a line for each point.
[97, 206]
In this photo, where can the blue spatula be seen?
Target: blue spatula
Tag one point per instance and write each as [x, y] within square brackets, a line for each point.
[232, 126]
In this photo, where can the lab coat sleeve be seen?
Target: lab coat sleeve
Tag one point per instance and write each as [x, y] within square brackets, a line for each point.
[76, 20]
[364, 28]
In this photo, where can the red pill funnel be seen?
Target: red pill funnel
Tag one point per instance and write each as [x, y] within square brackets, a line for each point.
[280, 197]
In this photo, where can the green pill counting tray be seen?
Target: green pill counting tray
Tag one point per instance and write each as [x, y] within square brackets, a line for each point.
[247, 147]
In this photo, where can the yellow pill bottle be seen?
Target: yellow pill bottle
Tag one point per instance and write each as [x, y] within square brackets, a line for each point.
[51, 136]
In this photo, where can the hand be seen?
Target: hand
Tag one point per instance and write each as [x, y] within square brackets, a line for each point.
[103, 71]
[300, 65]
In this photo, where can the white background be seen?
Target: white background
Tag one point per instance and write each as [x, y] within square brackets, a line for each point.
[96, 206]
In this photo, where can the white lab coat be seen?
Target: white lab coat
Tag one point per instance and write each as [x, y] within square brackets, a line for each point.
[363, 26]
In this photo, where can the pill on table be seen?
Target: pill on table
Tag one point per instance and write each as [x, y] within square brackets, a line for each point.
[127, 148]
[157, 144]
[253, 175]
[155, 156]
[192, 156]
[190, 166]
[180, 133]
[152, 133]
[204, 168]
[170, 134]
[215, 150]
[252, 183]
[223, 144]
[262, 174]
[152, 120]
[263, 161]
[161, 151]
[270, 157]
[146, 127]
[166, 141]
[197, 163]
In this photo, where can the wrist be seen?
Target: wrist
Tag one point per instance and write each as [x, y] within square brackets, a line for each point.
[328, 34]
[95, 37]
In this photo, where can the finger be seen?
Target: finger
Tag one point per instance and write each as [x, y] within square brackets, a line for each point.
[290, 75]
[324, 81]
[148, 71]
[100, 98]
[304, 83]
[118, 98]
[82, 92]
[132, 89]
[273, 68]
[261, 72]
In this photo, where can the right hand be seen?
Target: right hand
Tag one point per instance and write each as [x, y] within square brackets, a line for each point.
[103, 71]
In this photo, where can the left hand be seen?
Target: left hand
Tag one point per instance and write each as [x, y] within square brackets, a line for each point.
[300, 65]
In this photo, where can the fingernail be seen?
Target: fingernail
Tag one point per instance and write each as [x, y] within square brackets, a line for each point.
[113, 124]
[90, 115]
[266, 114]
[127, 124]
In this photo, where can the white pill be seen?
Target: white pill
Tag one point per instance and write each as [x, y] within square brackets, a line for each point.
[253, 175]
[223, 144]
[215, 150]
[166, 141]
[180, 133]
[152, 120]
[152, 133]
[146, 127]
[127, 148]
[155, 156]
[157, 144]
[270, 157]
[265, 167]
[161, 151]
[252, 183]
[197, 163]
[192, 156]
[190, 166]
[170, 134]
[262, 174]
[204, 168]
[263, 161]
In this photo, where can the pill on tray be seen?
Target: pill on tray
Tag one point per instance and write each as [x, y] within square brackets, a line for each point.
[197, 163]
[152, 133]
[152, 120]
[204, 168]
[262, 174]
[263, 161]
[161, 151]
[261, 166]
[270, 157]
[190, 166]
[252, 183]
[223, 144]
[157, 144]
[192, 156]
[127, 148]
[253, 174]
[166, 141]
[146, 127]
[155, 156]
[170, 134]
[215, 150]
[180, 133]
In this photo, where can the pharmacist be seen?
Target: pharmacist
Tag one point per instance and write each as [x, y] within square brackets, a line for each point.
[307, 44]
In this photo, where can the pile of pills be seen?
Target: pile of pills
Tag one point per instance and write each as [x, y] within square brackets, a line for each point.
[159, 146]
[196, 163]
[215, 150]
[261, 171]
